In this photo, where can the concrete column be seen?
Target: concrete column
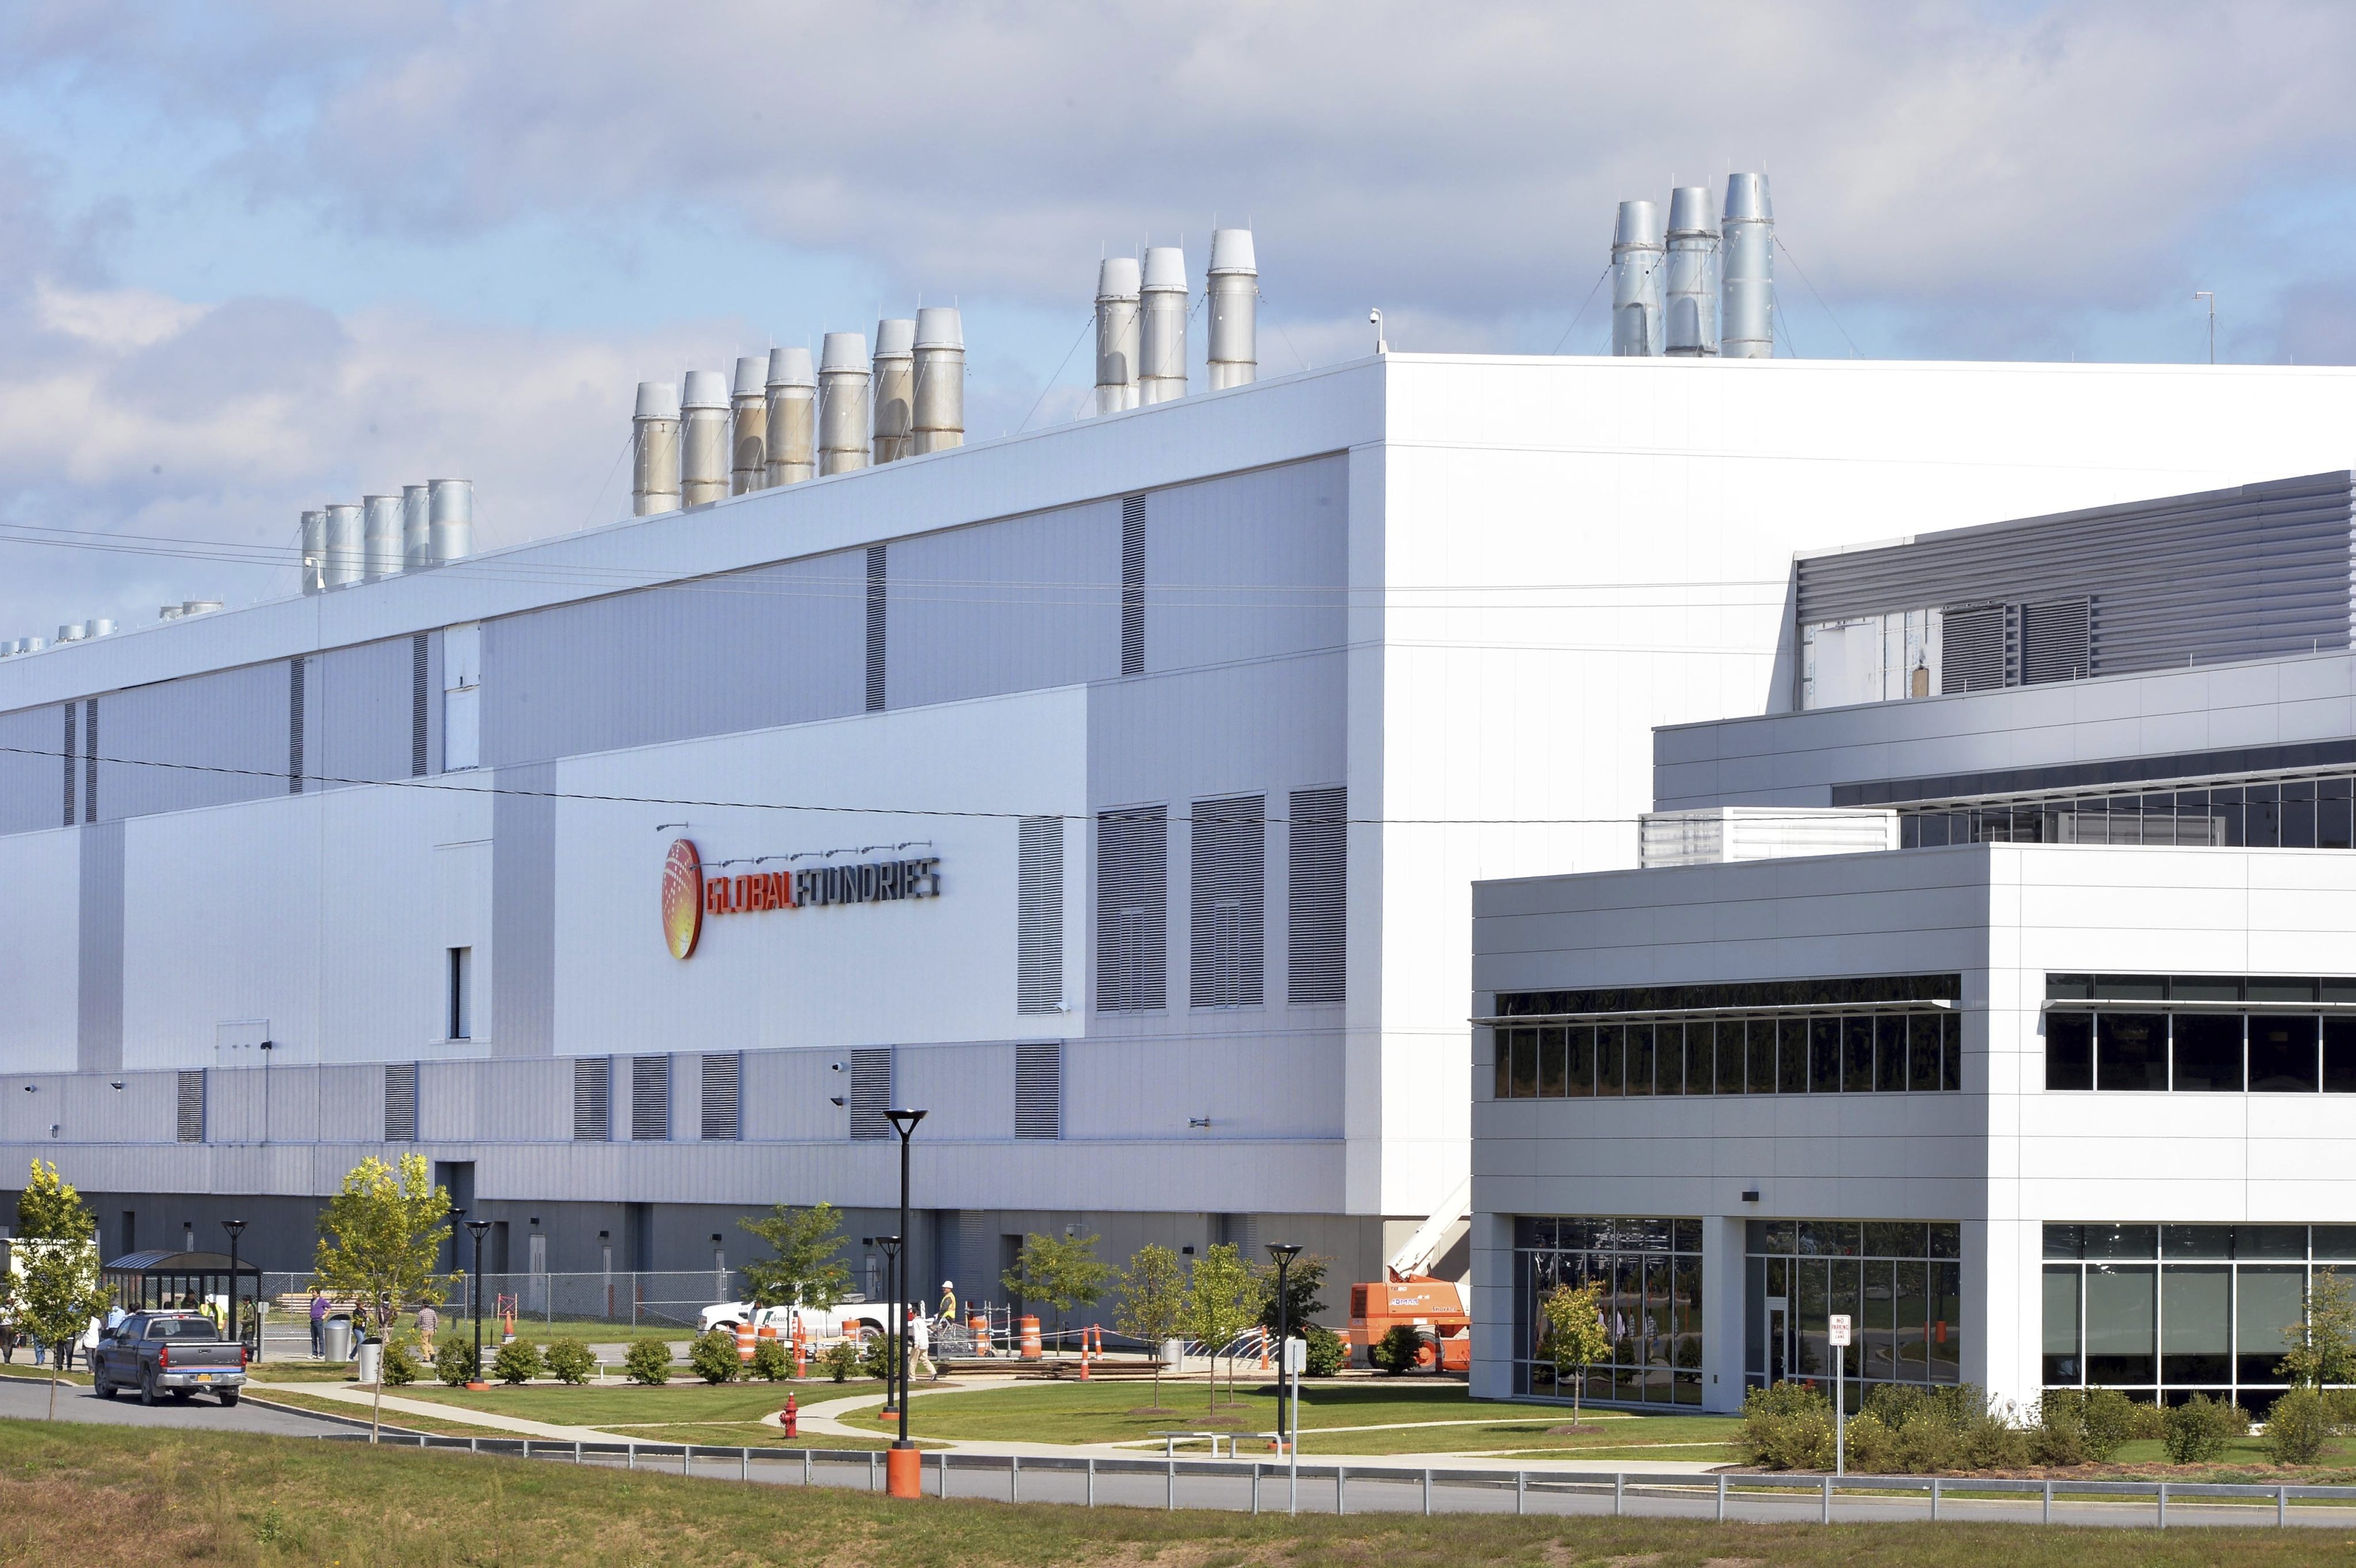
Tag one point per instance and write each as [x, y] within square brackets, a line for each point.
[1722, 1313]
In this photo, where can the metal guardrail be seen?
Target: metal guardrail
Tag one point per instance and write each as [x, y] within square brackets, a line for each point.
[1087, 1481]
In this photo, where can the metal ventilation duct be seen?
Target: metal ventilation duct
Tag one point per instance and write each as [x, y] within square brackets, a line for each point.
[748, 436]
[894, 388]
[101, 628]
[938, 410]
[315, 550]
[1693, 273]
[1636, 266]
[198, 607]
[1749, 235]
[654, 485]
[347, 548]
[842, 403]
[703, 438]
[1235, 309]
[382, 535]
[74, 631]
[32, 645]
[451, 530]
[793, 417]
[1116, 333]
[416, 527]
[164, 612]
[1162, 354]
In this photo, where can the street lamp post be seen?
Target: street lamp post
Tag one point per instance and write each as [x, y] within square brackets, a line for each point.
[1284, 1252]
[890, 1247]
[235, 1227]
[903, 1473]
[476, 1301]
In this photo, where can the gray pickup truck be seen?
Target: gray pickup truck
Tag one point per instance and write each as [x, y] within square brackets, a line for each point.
[174, 1353]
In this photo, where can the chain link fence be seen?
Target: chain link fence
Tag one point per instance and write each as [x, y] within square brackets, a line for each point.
[632, 1302]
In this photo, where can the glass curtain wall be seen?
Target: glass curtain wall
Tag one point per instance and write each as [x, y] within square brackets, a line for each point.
[2318, 812]
[2215, 1033]
[1901, 1283]
[1652, 1300]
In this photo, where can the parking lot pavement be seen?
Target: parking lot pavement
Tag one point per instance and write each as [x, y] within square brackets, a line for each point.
[21, 1398]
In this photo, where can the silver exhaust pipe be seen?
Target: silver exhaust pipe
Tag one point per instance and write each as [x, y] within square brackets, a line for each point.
[315, 551]
[451, 530]
[703, 439]
[1235, 309]
[1636, 259]
[939, 412]
[416, 527]
[347, 545]
[793, 417]
[895, 387]
[1693, 273]
[382, 535]
[1162, 362]
[842, 403]
[1747, 227]
[748, 411]
[654, 483]
[1116, 333]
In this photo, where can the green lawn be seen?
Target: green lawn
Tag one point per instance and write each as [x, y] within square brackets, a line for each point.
[78, 1496]
[613, 1406]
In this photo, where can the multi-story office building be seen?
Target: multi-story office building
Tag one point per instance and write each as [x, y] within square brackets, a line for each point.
[2053, 1084]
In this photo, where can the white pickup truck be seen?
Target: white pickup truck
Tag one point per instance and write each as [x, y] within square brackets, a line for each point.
[852, 1318]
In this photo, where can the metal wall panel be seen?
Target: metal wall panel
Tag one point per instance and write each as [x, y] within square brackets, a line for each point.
[781, 645]
[1005, 607]
[1247, 566]
[1226, 929]
[722, 1073]
[343, 1101]
[1132, 909]
[99, 1034]
[205, 740]
[2253, 572]
[1039, 1090]
[1317, 891]
[1039, 916]
[401, 1102]
[523, 914]
[361, 705]
[28, 769]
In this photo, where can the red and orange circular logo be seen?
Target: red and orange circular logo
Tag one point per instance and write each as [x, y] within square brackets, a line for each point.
[682, 897]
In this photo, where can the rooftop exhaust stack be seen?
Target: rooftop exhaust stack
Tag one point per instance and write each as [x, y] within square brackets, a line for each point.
[748, 408]
[416, 527]
[74, 632]
[654, 486]
[315, 550]
[1235, 309]
[382, 536]
[198, 607]
[1161, 357]
[347, 545]
[101, 628]
[1636, 258]
[1116, 333]
[895, 387]
[164, 612]
[842, 403]
[1749, 230]
[938, 410]
[703, 439]
[1692, 275]
[793, 417]
[451, 528]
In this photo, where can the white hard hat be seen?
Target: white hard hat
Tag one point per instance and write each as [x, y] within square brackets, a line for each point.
[948, 1284]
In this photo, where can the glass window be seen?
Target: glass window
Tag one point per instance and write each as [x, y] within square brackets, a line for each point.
[2065, 1241]
[1824, 1055]
[2335, 828]
[1923, 1050]
[1931, 828]
[1608, 1062]
[1945, 1332]
[2069, 1050]
[1791, 1056]
[2208, 1050]
[1759, 1077]
[2225, 805]
[1856, 1054]
[1669, 1058]
[2282, 1053]
[1553, 1064]
[2270, 1240]
[2131, 1050]
[2340, 1055]
[2335, 1240]
[1895, 1239]
[1500, 1043]
[1879, 1326]
[1812, 1290]
[2121, 1328]
[2270, 1301]
[2196, 1344]
[1890, 1053]
[1526, 1064]
[1639, 1077]
[1730, 1055]
[1951, 1051]
[2061, 1325]
[1579, 1067]
[2196, 1242]
[2120, 1241]
[2298, 814]
[2265, 819]
[1911, 1311]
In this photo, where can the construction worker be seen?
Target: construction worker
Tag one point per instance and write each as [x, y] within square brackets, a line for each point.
[948, 1302]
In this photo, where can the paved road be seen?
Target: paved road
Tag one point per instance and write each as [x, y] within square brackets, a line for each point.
[23, 1399]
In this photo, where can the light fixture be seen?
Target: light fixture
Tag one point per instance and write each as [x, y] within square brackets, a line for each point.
[1750, 1195]
[835, 1101]
[116, 1084]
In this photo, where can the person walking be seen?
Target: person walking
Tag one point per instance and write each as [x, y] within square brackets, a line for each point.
[319, 1324]
[948, 1302]
[428, 1321]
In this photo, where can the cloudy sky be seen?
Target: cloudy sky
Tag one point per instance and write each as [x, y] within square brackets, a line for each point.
[256, 257]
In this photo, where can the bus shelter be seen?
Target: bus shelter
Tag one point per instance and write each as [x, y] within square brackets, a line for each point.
[172, 1281]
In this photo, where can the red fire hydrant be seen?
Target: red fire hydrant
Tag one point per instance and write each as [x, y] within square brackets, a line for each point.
[789, 1421]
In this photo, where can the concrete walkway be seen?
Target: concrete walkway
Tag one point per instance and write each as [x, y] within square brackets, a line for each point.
[394, 1405]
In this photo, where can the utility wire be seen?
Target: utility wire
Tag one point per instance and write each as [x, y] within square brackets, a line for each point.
[1854, 352]
[1066, 360]
[1582, 306]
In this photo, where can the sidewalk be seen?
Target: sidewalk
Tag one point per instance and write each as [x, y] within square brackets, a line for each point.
[463, 1415]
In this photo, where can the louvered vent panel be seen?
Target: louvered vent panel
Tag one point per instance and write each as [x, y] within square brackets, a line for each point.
[295, 726]
[722, 1073]
[875, 645]
[1132, 890]
[73, 714]
[1132, 585]
[89, 761]
[401, 1102]
[650, 1098]
[1039, 918]
[192, 1107]
[871, 1092]
[420, 668]
[2056, 640]
[593, 1099]
[1230, 868]
[1972, 649]
[1039, 1090]
[1317, 896]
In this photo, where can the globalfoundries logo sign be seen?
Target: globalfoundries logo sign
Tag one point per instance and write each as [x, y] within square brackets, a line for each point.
[689, 896]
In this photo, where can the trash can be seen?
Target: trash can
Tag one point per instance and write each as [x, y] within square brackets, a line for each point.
[335, 1339]
[371, 1360]
[1173, 1355]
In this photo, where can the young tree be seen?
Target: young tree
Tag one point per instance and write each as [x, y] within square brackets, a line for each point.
[1221, 1302]
[1150, 1302]
[2323, 1342]
[55, 1259]
[1574, 1335]
[1304, 1278]
[1063, 1274]
[806, 1272]
[379, 1241]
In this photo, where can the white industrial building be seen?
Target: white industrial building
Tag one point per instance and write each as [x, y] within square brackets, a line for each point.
[2047, 1078]
[1204, 714]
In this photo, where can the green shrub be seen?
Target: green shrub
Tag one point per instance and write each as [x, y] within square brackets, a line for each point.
[1788, 1427]
[2297, 1427]
[1873, 1447]
[2150, 1422]
[401, 1367]
[2110, 1422]
[455, 1363]
[569, 1361]
[1396, 1351]
[518, 1361]
[713, 1357]
[2078, 1425]
[879, 1356]
[2197, 1430]
[648, 1362]
[840, 1359]
[771, 1359]
[1327, 1352]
